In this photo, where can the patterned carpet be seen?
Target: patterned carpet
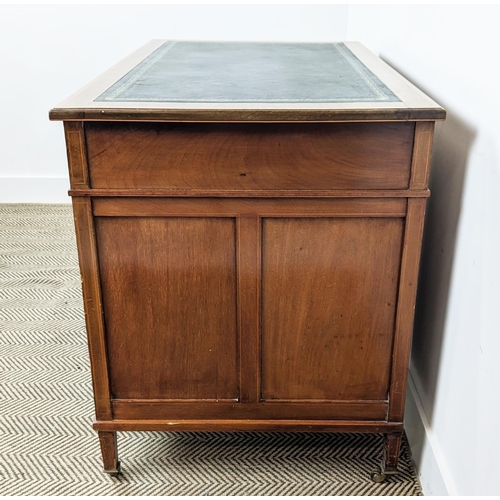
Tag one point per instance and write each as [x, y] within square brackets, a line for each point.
[47, 445]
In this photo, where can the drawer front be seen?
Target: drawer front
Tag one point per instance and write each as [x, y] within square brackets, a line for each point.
[250, 156]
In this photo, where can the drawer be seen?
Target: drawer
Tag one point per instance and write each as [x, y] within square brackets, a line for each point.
[262, 156]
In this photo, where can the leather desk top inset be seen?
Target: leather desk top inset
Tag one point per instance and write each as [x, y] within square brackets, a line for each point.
[250, 72]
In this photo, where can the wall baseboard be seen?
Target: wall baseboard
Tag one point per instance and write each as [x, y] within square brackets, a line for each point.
[34, 190]
[430, 464]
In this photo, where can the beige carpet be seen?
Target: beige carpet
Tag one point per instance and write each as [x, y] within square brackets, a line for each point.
[47, 445]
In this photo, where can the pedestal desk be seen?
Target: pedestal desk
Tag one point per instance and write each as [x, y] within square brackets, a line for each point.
[249, 221]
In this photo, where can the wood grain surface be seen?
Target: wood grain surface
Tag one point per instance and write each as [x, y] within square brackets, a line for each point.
[109, 451]
[227, 425]
[230, 207]
[169, 289]
[251, 193]
[88, 258]
[337, 410]
[392, 446]
[76, 150]
[329, 302]
[249, 231]
[406, 307]
[250, 156]
[421, 160]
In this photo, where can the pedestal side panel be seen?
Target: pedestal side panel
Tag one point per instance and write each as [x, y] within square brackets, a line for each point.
[169, 295]
[329, 300]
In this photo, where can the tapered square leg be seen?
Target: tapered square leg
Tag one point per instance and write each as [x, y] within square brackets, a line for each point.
[392, 446]
[109, 450]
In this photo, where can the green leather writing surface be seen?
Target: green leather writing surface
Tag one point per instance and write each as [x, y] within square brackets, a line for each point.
[231, 72]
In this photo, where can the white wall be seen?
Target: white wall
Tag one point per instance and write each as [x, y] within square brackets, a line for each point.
[451, 52]
[49, 52]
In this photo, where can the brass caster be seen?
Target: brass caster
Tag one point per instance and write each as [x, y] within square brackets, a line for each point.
[113, 472]
[377, 476]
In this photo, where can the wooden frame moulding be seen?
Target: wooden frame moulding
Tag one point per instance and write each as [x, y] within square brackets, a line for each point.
[410, 262]
[233, 410]
[231, 207]
[228, 425]
[248, 234]
[92, 301]
[77, 155]
[89, 269]
[421, 158]
[267, 193]
[406, 308]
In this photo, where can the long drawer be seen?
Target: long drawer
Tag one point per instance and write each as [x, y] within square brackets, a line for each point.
[250, 156]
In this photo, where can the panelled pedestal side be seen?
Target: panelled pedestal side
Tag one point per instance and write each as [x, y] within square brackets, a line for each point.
[249, 276]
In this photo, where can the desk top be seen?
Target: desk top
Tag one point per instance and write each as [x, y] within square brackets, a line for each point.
[250, 81]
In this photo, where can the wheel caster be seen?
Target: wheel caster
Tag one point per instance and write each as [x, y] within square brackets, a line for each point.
[113, 472]
[377, 476]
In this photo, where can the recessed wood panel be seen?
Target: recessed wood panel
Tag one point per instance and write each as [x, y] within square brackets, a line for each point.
[250, 156]
[329, 300]
[169, 297]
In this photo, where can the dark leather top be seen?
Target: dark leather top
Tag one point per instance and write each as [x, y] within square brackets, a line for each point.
[228, 72]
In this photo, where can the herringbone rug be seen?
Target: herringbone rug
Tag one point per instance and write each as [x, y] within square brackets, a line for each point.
[47, 445]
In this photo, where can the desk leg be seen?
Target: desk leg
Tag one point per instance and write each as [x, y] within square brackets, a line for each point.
[392, 446]
[109, 450]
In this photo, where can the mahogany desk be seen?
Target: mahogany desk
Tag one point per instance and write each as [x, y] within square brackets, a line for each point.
[249, 221]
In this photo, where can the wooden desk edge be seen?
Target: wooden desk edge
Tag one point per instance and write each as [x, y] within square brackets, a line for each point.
[262, 193]
[246, 115]
[248, 425]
